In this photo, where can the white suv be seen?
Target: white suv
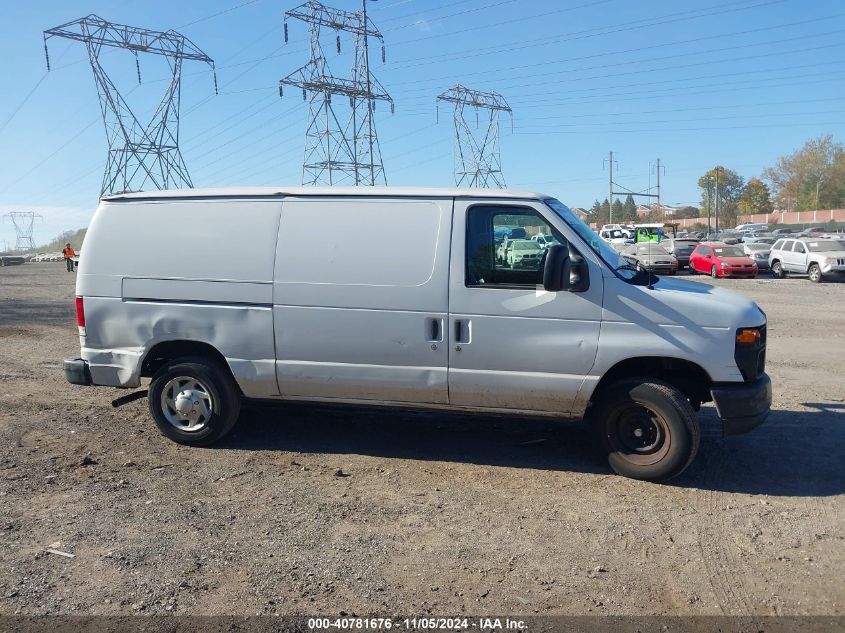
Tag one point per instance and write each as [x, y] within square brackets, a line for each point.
[815, 257]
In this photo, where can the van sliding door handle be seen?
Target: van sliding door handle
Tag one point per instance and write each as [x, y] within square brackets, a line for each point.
[463, 331]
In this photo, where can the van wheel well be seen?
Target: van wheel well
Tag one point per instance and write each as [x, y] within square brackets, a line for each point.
[166, 351]
[684, 375]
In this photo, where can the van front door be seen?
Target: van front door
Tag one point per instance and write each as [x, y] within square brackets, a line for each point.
[516, 346]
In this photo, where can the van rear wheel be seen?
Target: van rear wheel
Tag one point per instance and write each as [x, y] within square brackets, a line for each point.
[647, 428]
[194, 401]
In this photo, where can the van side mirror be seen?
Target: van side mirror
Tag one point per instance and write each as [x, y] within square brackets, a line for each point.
[564, 271]
[557, 269]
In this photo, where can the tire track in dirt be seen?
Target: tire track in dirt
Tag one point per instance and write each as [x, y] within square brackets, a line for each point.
[721, 565]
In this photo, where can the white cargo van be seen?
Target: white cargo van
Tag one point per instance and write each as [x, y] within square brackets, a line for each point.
[222, 295]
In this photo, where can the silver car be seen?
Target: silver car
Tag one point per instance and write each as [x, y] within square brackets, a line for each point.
[759, 252]
[815, 257]
[681, 248]
[652, 257]
[524, 254]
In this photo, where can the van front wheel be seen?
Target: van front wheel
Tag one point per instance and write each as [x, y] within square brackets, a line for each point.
[647, 428]
[194, 401]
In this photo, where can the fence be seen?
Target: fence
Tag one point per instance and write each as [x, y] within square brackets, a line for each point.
[776, 217]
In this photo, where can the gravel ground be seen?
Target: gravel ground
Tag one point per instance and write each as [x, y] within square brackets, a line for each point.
[318, 510]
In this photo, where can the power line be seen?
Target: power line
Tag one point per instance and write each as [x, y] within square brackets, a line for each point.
[695, 54]
[681, 91]
[697, 129]
[524, 18]
[675, 81]
[22, 103]
[692, 120]
[219, 13]
[671, 18]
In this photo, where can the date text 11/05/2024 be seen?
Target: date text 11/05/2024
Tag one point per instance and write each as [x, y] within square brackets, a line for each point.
[423, 623]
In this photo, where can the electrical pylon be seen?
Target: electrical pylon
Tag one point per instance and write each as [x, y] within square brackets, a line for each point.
[339, 149]
[23, 222]
[139, 156]
[477, 159]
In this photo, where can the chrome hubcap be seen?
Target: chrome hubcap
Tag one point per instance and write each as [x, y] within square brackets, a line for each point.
[186, 404]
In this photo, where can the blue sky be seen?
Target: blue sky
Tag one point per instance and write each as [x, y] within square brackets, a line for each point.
[695, 83]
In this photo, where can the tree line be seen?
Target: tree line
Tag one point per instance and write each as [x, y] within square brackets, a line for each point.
[810, 178]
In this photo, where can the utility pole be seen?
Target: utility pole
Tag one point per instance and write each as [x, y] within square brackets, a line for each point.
[138, 155]
[478, 162]
[609, 162]
[659, 208]
[717, 198]
[624, 191]
[336, 151]
[610, 189]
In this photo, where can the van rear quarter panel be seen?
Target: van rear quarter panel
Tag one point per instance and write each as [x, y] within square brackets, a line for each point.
[196, 270]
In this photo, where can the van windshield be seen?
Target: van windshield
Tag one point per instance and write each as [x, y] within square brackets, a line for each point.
[604, 250]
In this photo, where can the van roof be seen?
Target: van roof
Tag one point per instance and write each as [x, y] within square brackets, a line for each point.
[276, 192]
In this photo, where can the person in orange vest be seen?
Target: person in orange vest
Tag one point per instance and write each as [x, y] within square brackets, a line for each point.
[69, 254]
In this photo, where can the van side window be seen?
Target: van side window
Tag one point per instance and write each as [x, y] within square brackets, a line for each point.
[500, 250]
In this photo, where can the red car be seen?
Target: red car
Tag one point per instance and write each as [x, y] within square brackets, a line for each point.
[721, 260]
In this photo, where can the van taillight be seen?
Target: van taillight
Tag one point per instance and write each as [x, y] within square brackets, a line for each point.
[80, 312]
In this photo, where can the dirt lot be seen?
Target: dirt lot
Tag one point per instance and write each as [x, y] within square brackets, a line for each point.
[440, 514]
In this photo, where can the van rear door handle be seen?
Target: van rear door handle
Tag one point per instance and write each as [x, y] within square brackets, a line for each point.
[434, 329]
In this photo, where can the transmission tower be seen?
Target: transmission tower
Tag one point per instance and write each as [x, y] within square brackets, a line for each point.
[139, 155]
[477, 159]
[23, 222]
[338, 148]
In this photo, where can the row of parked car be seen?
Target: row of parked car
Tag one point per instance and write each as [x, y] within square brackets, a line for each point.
[817, 256]
[47, 257]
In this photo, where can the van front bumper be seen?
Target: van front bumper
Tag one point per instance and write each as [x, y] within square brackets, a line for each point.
[744, 405]
[77, 371]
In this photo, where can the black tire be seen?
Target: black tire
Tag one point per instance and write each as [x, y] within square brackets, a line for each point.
[815, 273]
[647, 428]
[217, 388]
[714, 272]
[777, 270]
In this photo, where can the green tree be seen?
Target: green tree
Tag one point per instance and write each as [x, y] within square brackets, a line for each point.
[630, 211]
[755, 198]
[723, 186]
[812, 177]
[618, 211]
[594, 212]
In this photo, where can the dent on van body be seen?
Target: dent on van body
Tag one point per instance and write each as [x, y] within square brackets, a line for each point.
[191, 270]
[113, 351]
